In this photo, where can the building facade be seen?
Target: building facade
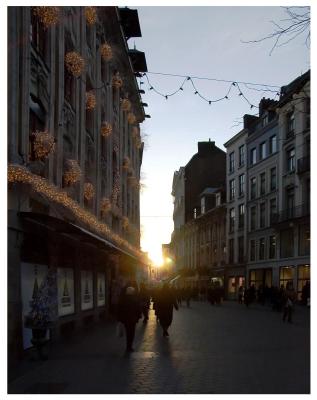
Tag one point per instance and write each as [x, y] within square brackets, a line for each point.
[74, 153]
[236, 204]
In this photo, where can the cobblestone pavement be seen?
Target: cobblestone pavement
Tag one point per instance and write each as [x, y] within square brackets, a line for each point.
[223, 349]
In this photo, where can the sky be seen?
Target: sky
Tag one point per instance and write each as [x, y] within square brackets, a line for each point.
[202, 42]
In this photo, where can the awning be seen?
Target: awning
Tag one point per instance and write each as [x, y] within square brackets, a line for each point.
[71, 230]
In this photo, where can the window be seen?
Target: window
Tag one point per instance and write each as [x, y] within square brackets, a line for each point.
[231, 250]
[252, 250]
[253, 188]
[286, 275]
[272, 246]
[290, 202]
[241, 249]
[304, 240]
[287, 243]
[262, 183]
[231, 189]
[290, 124]
[265, 119]
[273, 178]
[241, 155]
[273, 144]
[231, 220]
[203, 205]
[303, 278]
[273, 209]
[261, 249]
[262, 151]
[253, 156]
[253, 218]
[241, 216]
[241, 184]
[231, 162]
[290, 159]
[262, 215]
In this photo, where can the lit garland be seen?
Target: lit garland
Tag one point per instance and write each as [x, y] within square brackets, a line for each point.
[43, 144]
[91, 15]
[106, 51]
[131, 118]
[126, 163]
[125, 222]
[48, 15]
[105, 205]
[90, 100]
[116, 187]
[117, 81]
[106, 129]
[115, 210]
[126, 104]
[74, 63]
[19, 174]
[89, 191]
[72, 173]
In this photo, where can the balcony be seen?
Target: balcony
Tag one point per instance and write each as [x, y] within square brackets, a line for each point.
[303, 165]
[291, 213]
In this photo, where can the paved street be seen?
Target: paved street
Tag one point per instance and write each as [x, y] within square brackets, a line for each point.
[226, 349]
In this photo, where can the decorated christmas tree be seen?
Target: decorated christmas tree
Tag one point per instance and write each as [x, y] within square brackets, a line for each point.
[44, 303]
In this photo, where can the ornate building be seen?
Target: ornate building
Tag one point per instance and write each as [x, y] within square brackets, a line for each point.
[74, 153]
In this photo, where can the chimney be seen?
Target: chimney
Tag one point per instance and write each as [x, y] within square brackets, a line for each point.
[249, 121]
[205, 147]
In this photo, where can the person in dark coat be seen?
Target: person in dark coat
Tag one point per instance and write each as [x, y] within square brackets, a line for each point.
[166, 301]
[129, 312]
[306, 293]
[144, 296]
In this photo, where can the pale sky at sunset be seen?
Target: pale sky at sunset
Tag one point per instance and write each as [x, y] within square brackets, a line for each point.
[203, 42]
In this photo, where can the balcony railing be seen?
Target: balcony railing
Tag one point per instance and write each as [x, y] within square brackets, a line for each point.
[291, 213]
[303, 165]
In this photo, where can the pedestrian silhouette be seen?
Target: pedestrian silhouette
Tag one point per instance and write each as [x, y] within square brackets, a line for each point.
[165, 303]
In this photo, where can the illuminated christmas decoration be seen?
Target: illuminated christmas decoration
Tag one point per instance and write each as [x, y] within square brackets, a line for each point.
[125, 222]
[91, 15]
[117, 81]
[72, 173]
[131, 118]
[74, 63]
[126, 163]
[135, 132]
[106, 51]
[90, 100]
[105, 205]
[115, 210]
[43, 144]
[48, 16]
[89, 191]
[20, 174]
[125, 104]
[132, 181]
[106, 129]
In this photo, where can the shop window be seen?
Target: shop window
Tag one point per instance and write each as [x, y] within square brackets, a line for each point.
[287, 243]
[304, 240]
[256, 277]
[286, 275]
[303, 276]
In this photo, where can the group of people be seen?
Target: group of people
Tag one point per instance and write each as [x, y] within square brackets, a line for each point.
[134, 302]
[280, 299]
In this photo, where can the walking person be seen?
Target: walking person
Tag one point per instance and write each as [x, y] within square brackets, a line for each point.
[166, 301]
[129, 312]
[306, 293]
[144, 296]
[240, 295]
[289, 300]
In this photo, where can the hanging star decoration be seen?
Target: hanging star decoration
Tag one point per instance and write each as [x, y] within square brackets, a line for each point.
[91, 15]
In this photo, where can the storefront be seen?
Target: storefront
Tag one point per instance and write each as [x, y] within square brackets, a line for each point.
[235, 277]
[260, 276]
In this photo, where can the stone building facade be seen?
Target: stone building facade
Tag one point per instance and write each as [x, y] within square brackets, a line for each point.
[76, 209]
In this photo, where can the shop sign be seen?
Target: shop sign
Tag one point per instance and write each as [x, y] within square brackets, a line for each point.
[65, 289]
[87, 298]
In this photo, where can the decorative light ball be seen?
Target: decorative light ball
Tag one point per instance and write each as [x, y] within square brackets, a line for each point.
[91, 15]
[125, 222]
[90, 100]
[126, 104]
[89, 191]
[126, 163]
[72, 173]
[43, 144]
[117, 81]
[74, 63]
[105, 205]
[131, 118]
[106, 51]
[106, 129]
[48, 16]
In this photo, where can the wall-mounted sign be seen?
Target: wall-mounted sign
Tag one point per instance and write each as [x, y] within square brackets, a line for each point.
[32, 276]
[65, 287]
[101, 289]
[87, 294]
